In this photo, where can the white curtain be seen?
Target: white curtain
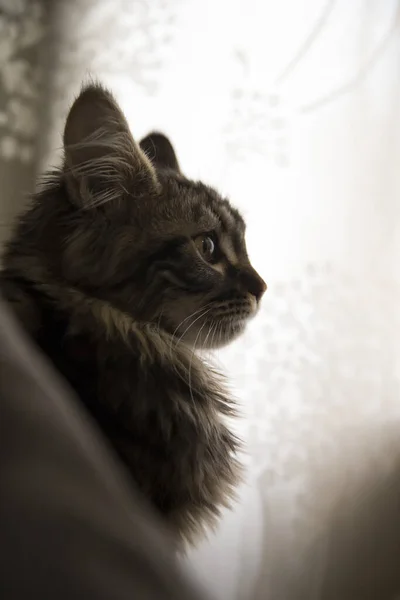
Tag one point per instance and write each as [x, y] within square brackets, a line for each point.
[292, 109]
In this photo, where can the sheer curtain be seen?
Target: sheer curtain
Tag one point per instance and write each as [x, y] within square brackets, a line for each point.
[291, 109]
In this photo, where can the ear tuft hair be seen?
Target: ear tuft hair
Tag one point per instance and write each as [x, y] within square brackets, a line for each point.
[103, 163]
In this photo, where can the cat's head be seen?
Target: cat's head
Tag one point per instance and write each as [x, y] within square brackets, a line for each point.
[145, 238]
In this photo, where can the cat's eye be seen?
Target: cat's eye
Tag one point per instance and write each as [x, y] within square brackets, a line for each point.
[206, 246]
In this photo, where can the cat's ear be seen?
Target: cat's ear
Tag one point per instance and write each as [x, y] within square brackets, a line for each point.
[103, 163]
[160, 151]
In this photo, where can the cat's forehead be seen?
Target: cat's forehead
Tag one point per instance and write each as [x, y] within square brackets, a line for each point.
[203, 207]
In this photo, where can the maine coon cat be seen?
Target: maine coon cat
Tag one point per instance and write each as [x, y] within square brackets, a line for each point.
[120, 269]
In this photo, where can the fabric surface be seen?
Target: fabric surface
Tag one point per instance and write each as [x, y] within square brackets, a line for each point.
[291, 109]
[71, 526]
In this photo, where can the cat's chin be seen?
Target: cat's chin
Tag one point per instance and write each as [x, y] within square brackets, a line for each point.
[221, 335]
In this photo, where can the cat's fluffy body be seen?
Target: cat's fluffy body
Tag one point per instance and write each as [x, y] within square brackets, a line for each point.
[111, 270]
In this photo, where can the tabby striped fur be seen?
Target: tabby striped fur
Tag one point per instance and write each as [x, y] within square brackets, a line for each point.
[120, 269]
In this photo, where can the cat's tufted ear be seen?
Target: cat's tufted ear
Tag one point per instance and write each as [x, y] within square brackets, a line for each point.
[103, 163]
[160, 151]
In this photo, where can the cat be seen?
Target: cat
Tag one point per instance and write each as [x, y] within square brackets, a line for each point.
[120, 269]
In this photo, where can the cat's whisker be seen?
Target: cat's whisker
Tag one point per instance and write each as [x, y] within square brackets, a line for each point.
[172, 348]
[187, 329]
[217, 340]
[200, 316]
[220, 335]
[183, 321]
[214, 333]
[208, 334]
[172, 337]
[179, 373]
[189, 317]
[191, 325]
[191, 362]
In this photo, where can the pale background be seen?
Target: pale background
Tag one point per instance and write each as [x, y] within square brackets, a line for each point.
[291, 108]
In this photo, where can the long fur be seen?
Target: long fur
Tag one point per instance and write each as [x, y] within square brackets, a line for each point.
[104, 273]
[161, 406]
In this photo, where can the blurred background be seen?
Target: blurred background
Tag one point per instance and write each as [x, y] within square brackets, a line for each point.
[291, 108]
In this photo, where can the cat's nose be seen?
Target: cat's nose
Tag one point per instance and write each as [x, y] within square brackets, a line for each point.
[253, 283]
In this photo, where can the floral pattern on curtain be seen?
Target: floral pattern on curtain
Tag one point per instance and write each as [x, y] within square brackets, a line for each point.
[291, 109]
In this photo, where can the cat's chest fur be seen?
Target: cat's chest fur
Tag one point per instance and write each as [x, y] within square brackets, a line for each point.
[160, 408]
